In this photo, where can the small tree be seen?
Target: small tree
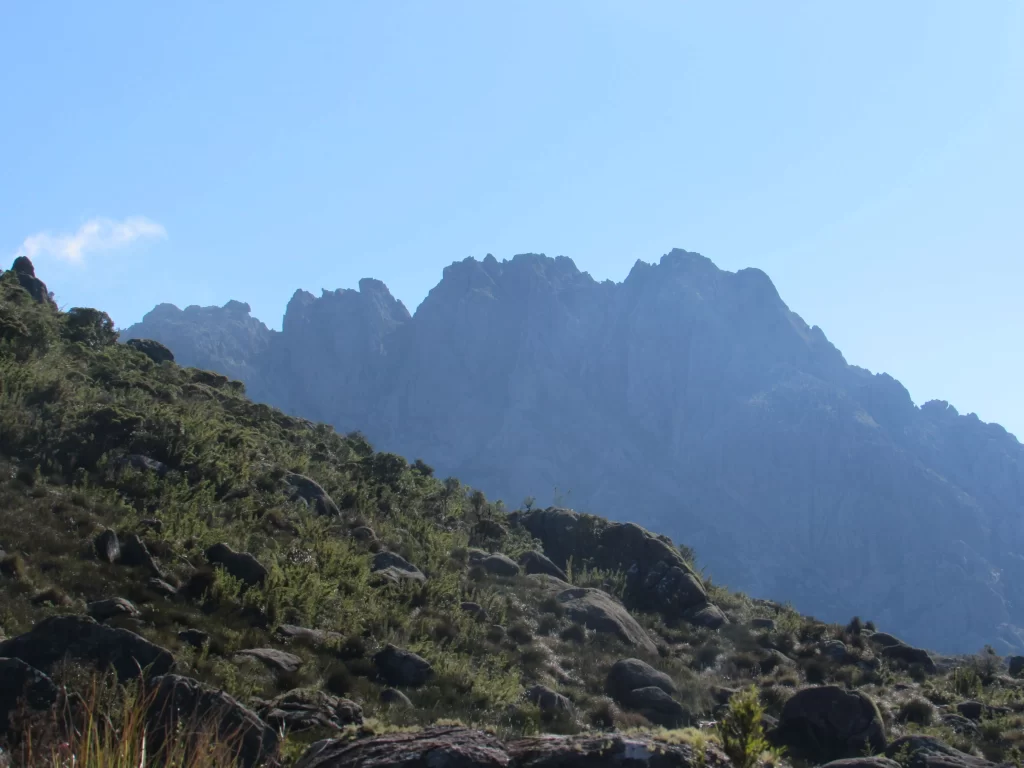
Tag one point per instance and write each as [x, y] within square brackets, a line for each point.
[742, 731]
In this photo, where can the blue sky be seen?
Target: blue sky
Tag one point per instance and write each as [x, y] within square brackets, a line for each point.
[866, 155]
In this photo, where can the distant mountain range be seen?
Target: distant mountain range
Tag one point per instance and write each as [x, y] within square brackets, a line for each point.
[686, 398]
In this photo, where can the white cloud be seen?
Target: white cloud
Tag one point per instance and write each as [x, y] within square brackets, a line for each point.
[95, 235]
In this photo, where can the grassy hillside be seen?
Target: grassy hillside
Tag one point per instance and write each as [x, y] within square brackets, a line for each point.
[96, 435]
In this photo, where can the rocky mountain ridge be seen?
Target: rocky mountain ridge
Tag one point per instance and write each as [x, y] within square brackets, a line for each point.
[686, 398]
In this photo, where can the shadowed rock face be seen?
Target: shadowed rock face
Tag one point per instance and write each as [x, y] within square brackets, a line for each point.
[687, 399]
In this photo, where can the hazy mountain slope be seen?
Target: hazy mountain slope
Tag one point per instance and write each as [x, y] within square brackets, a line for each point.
[687, 398]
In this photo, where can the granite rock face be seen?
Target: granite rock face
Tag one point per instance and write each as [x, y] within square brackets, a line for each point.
[687, 399]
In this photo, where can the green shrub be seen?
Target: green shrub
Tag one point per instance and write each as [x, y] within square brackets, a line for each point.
[741, 730]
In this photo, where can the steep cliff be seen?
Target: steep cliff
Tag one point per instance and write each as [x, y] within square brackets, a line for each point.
[686, 398]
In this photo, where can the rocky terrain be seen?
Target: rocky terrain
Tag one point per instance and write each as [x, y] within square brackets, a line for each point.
[191, 578]
[686, 398]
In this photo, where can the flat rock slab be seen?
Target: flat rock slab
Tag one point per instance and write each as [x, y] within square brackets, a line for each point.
[280, 661]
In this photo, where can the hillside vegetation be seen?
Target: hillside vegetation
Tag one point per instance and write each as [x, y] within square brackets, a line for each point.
[689, 399]
[289, 583]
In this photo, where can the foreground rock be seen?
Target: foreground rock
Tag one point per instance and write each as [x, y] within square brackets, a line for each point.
[22, 684]
[927, 752]
[241, 565]
[465, 748]
[657, 706]
[303, 709]
[829, 723]
[600, 612]
[397, 666]
[182, 702]
[82, 639]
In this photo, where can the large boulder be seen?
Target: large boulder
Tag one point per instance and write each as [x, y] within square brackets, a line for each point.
[400, 667]
[535, 562]
[241, 565]
[657, 576]
[436, 747]
[22, 685]
[551, 703]
[657, 706]
[154, 350]
[395, 569]
[629, 674]
[910, 655]
[181, 702]
[108, 549]
[311, 492]
[76, 637]
[134, 552]
[1016, 664]
[829, 723]
[600, 612]
[304, 708]
[500, 565]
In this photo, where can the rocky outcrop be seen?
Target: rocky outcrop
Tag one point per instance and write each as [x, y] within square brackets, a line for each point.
[76, 637]
[928, 752]
[101, 610]
[443, 747]
[689, 399]
[830, 723]
[303, 709]
[910, 655]
[25, 273]
[154, 350]
[600, 612]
